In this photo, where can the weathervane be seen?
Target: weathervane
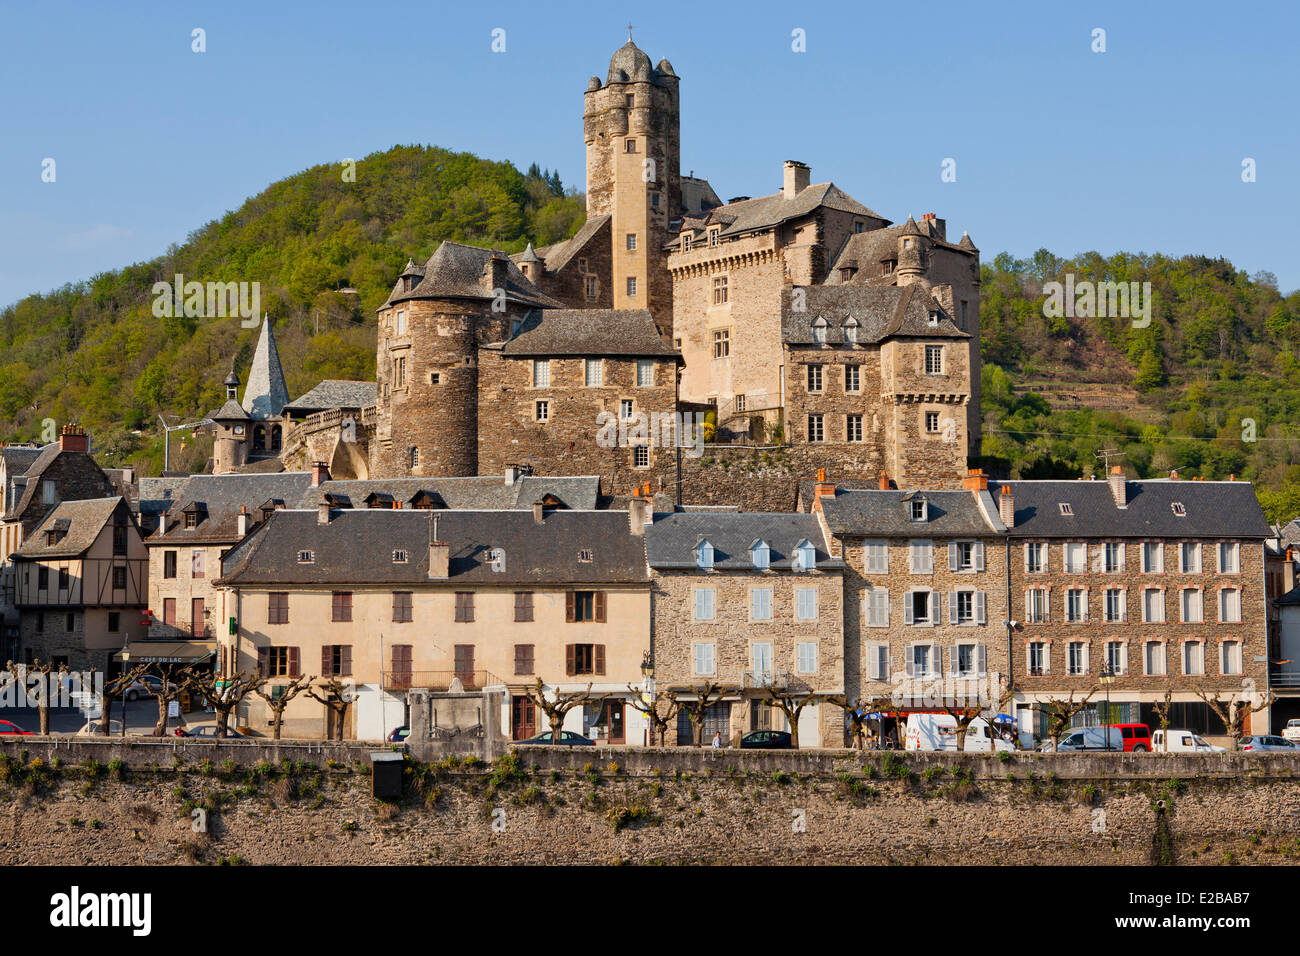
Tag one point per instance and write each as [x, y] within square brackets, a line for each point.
[629, 33]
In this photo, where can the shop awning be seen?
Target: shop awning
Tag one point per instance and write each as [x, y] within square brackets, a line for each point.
[166, 652]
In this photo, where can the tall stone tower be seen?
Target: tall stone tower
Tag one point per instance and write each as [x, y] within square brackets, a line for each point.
[632, 128]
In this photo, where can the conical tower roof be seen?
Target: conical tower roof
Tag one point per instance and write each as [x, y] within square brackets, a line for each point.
[266, 394]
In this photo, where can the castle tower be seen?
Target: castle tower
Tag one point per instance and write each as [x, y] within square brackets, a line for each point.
[632, 129]
[912, 262]
[231, 423]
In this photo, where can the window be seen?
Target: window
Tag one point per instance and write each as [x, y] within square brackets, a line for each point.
[932, 423]
[114, 621]
[1153, 557]
[920, 556]
[403, 610]
[631, 285]
[641, 456]
[719, 290]
[714, 237]
[585, 606]
[1230, 657]
[721, 343]
[965, 556]
[119, 579]
[878, 663]
[853, 428]
[968, 660]
[853, 378]
[1066, 510]
[70, 622]
[740, 403]
[961, 607]
[464, 607]
[645, 373]
[704, 556]
[49, 492]
[1076, 605]
[760, 604]
[703, 659]
[1037, 662]
[876, 604]
[541, 373]
[198, 563]
[1189, 557]
[169, 611]
[686, 242]
[399, 557]
[277, 607]
[119, 539]
[629, 145]
[1178, 509]
[1229, 557]
[934, 360]
[277, 661]
[1115, 610]
[1076, 557]
[814, 378]
[523, 605]
[336, 660]
[342, 606]
[1193, 606]
[816, 428]
[1116, 657]
[1153, 606]
[963, 315]
[415, 457]
[169, 564]
[760, 555]
[918, 509]
[594, 372]
[1077, 658]
[918, 608]
[65, 579]
[805, 556]
[434, 378]
[875, 557]
[851, 332]
[805, 604]
[760, 658]
[542, 410]
[631, 242]
[1112, 557]
[919, 660]
[1230, 606]
[1193, 657]
[654, 200]
[524, 658]
[806, 657]
[819, 330]
[399, 372]
[401, 323]
[625, 409]
[1036, 557]
[1154, 657]
[704, 604]
[1036, 606]
[592, 287]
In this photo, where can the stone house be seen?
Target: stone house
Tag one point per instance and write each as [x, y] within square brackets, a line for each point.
[752, 602]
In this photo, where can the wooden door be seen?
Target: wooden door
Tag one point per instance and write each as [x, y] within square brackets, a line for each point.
[523, 718]
[465, 664]
[614, 721]
[196, 617]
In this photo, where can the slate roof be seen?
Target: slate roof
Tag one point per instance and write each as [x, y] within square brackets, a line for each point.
[38, 467]
[865, 250]
[220, 497]
[1214, 509]
[880, 311]
[764, 212]
[482, 492]
[83, 521]
[557, 255]
[456, 271]
[672, 539]
[1291, 597]
[333, 393]
[231, 411]
[1290, 532]
[356, 547]
[266, 393]
[595, 332]
[952, 514]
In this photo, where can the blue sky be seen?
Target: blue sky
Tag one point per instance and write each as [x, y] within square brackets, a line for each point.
[1138, 148]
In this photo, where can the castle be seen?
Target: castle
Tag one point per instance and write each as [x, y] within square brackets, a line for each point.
[813, 330]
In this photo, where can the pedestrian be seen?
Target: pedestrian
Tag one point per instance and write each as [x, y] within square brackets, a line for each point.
[717, 740]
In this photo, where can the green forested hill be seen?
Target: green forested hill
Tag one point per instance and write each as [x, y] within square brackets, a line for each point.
[1220, 350]
[93, 351]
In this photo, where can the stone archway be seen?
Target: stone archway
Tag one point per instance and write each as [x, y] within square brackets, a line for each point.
[348, 463]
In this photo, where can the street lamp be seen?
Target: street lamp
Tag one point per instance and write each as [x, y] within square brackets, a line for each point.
[1107, 677]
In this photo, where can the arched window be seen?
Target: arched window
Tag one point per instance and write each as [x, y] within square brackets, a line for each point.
[704, 556]
[819, 330]
[275, 437]
[415, 457]
[851, 330]
[259, 437]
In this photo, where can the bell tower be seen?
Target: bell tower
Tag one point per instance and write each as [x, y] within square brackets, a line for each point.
[631, 125]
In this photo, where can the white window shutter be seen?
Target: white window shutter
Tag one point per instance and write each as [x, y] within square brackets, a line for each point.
[1123, 657]
[1123, 555]
[1123, 605]
[884, 603]
[936, 659]
[1086, 604]
[907, 607]
[1086, 663]
[952, 607]
[1047, 658]
[981, 662]
[932, 607]
[1029, 607]
[952, 555]
[979, 555]
[911, 663]
[981, 612]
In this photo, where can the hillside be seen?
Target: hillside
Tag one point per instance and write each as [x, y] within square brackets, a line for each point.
[1220, 349]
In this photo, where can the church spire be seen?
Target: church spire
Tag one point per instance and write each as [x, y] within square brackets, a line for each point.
[266, 394]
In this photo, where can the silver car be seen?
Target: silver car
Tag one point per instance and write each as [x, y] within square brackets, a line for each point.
[1262, 743]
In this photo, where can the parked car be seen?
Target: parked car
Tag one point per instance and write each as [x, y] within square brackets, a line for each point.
[8, 728]
[206, 732]
[1137, 737]
[91, 728]
[939, 732]
[399, 735]
[1181, 741]
[1292, 729]
[1261, 743]
[1089, 738]
[567, 739]
[767, 740]
[147, 685]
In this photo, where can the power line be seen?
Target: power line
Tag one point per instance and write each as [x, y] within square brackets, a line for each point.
[1019, 431]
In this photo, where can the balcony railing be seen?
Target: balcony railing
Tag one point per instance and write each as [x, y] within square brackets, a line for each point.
[776, 679]
[180, 631]
[438, 680]
[1287, 680]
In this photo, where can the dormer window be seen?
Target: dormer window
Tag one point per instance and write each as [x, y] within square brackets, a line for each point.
[1178, 509]
[191, 519]
[715, 235]
[819, 330]
[851, 331]
[686, 243]
[805, 556]
[399, 557]
[1066, 510]
[306, 557]
[704, 556]
[918, 509]
[934, 317]
[761, 555]
[584, 556]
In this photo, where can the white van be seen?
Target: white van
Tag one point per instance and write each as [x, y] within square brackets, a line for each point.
[939, 732]
[1090, 738]
[1181, 741]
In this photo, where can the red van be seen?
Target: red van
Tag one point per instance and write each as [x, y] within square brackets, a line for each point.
[1137, 737]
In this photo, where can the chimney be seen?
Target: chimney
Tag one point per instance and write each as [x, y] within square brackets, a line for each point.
[884, 481]
[73, 438]
[1118, 487]
[243, 520]
[975, 480]
[796, 178]
[539, 511]
[512, 474]
[319, 472]
[1007, 507]
[439, 560]
[1288, 571]
[323, 512]
[640, 509]
[823, 488]
[494, 273]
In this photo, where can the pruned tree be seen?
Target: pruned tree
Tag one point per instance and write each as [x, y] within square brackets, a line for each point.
[965, 714]
[166, 691]
[1233, 711]
[1162, 717]
[223, 694]
[706, 696]
[338, 697]
[279, 702]
[115, 689]
[1060, 713]
[660, 717]
[856, 711]
[789, 703]
[21, 675]
[557, 706]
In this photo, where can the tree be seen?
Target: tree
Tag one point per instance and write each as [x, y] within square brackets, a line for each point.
[223, 695]
[278, 702]
[856, 712]
[559, 704]
[789, 703]
[338, 697]
[20, 674]
[1233, 711]
[1162, 716]
[660, 717]
[115, 689]
[1060, 712]
[706, 696]
[165, 691]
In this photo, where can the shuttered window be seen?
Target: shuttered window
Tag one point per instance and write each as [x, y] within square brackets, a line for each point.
[761, 604]
[400, 666]
[584, 659]
[806, 655]
[584, 606]
[875, 557]
[876, 601]
[342, 606]
[806, 604]
[277, 607]
[464, 606]
[704, 604]
[703, 659]
[336, 660]
[403, 607]
[524, 612]
[523, 658]
[278, 661]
